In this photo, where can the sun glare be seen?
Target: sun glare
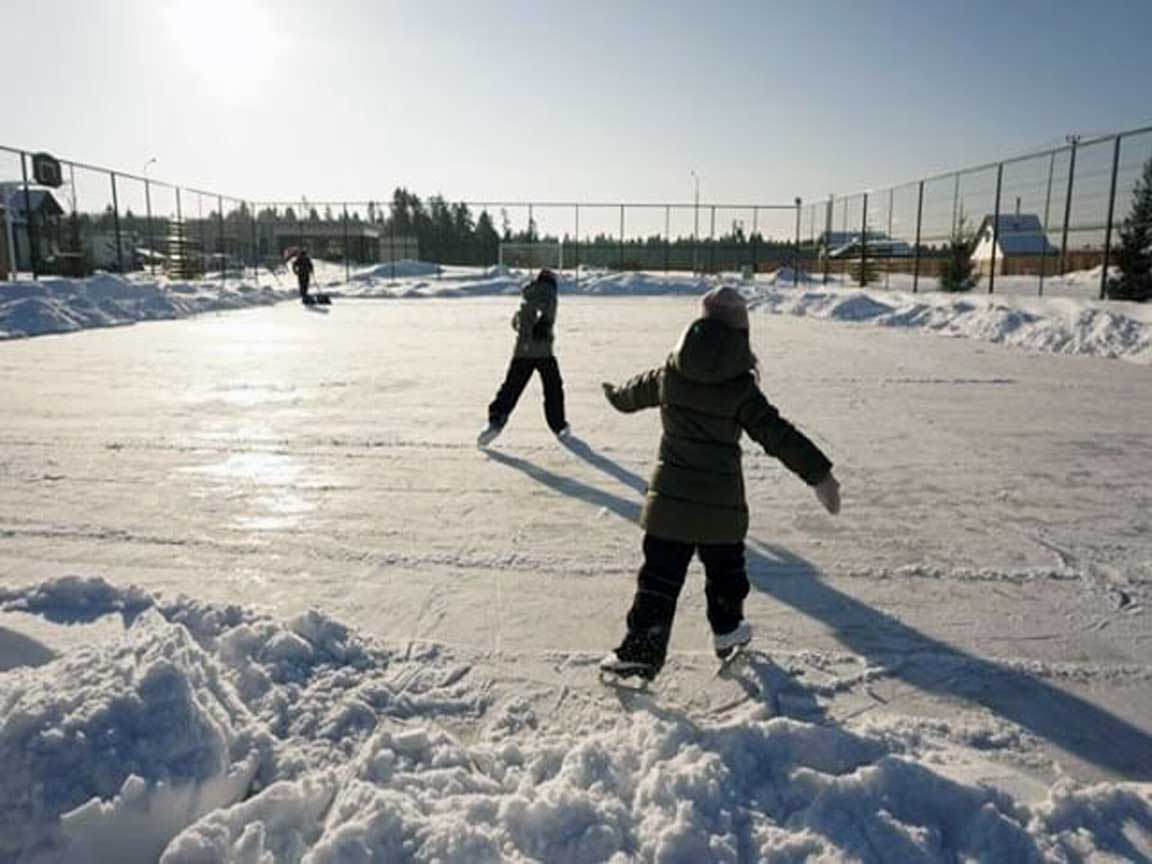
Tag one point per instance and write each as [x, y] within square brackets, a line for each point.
[233, 42]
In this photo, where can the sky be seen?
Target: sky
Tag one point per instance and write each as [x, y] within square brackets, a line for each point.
[588, 101]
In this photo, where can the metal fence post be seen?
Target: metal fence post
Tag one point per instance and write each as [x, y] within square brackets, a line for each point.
[347, 266]
[828, 238]
[667, 237]
[864, 242]
[891, 210]
[220, 247]
[392, 241]
[620, 264]
[1111, 209]
[955, 202]
[755, 238]
[916, 249]
[1044, 232]
[151, 230]
[712, 242]
[796, 256]
[255, 246]
[576, 263]
[29, 225]
[995, 228]
[1068, 206]
[116, 224]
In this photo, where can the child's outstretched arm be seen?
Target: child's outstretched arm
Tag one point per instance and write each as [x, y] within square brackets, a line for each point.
[781, 439]
[635, 394]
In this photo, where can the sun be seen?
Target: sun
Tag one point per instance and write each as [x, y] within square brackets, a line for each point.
[225, 42]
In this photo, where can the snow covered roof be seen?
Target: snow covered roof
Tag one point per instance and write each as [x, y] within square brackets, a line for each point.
[1018, 234]
[41, 200]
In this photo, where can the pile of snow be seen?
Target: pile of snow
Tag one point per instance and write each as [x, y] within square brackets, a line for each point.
[405, 269]
[1055, 325]
[221, 734]
[416, 279]
[56, 305]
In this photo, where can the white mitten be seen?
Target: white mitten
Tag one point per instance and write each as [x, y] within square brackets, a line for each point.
[828, 493]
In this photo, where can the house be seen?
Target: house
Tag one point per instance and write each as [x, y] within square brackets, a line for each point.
[43, 227]
[1021, 244]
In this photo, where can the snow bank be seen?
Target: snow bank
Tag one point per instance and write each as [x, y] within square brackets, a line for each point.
[220, 734]
[54, 305]
[1053, 325]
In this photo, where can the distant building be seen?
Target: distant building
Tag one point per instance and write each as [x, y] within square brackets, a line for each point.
[848, 245]
[1021, 244]
[102, 253]
[35, 217]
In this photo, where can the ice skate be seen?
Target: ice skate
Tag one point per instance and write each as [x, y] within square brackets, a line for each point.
[729, 646]
[615, 669]
[488, 434]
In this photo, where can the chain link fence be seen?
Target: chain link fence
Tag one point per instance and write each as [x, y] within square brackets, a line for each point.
[1045, 223]
[100, 219]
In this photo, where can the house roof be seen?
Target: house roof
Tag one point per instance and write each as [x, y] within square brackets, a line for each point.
[1021, 234]
[42, 200]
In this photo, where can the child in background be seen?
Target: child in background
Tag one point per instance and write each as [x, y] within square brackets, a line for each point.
[534, 324]
[708, 395]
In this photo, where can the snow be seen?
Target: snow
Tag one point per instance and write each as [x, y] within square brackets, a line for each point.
[224, 734]
[262, 600]
[1056, 324]
[1051, 325]
[56, 305]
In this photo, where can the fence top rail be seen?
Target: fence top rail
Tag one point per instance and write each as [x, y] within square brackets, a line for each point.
[385, 203]
[1081, 143]
[126, 175]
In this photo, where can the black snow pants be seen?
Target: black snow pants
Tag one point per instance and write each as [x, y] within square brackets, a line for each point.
[658, 587]
[519, 372]
[302, 279]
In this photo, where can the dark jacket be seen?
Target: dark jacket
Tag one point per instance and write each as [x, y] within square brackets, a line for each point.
[535, 320]
[302, 266]
[708, 396]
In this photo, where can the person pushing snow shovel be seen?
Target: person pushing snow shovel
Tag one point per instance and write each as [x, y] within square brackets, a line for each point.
[303, 267]
[534, 323]
[708, 395]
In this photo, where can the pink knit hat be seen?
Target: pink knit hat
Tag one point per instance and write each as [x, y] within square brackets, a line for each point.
[727, 305]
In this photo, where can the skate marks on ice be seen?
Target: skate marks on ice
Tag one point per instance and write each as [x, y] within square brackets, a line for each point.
[892, 650]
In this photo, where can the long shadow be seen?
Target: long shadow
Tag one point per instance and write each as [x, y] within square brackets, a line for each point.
[759, 677]
[1072, 724]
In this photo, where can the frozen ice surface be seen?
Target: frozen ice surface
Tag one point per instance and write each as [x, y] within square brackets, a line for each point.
[262, 600]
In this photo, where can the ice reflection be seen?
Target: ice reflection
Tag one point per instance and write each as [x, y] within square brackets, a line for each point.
[262, 486]
[246, 395]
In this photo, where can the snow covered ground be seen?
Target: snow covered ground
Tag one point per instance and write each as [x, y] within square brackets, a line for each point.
[1066, 321]
[57, 305]
[262, 600]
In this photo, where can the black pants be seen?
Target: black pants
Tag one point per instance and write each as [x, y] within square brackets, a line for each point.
[302, 279]
[661, 578]
[519, 371]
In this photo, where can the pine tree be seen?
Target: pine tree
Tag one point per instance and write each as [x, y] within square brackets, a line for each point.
[956, 270]
[1134, 257]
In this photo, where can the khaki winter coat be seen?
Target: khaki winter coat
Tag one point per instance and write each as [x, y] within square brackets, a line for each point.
[535, 321]
[708, 396]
